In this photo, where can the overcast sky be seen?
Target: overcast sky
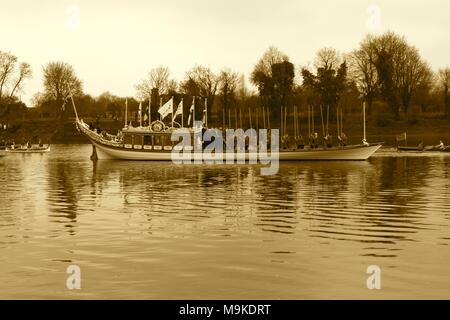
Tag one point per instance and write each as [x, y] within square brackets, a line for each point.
[113, 44]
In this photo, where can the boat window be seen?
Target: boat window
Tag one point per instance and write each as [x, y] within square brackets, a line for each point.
[157, 142]
[128, 140]
[147, 140]
[138, 141]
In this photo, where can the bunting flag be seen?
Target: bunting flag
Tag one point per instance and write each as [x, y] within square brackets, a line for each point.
[191, 111]
[166, 109]
[179, 109]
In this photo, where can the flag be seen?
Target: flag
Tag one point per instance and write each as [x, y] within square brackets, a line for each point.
[401, 137]
[191, 111]
[179, 109]
[166, 109]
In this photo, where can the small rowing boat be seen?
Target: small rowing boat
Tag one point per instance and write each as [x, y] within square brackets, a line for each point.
[418, 148]
[28, 149]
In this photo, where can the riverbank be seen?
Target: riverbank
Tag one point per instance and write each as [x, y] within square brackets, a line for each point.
[428, 131]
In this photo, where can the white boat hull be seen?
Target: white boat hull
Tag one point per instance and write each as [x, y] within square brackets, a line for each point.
[358, 152]
[115, 151]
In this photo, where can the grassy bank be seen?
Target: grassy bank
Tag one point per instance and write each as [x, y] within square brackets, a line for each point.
[428, 131]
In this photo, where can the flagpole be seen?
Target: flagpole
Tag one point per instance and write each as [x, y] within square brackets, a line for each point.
[364, 119]
[193, 112]
[160, 105]
[140, 114]
[172, 111]
[149, 110]
[126, 111]
[182, 113]
[206, 110]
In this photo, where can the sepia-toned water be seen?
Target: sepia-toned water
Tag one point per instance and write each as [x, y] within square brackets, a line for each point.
[155, 230]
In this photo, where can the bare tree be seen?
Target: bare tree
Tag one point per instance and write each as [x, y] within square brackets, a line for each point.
[172, 86]
[60, 81]
[24, 73]
[262, 75]
[328, 59]
[228, 84]
[363, 71]
[272, 56]
[414, 73]
[400, 69]
[7, 66]
[205, 81]
[157, 78]
[443, 76]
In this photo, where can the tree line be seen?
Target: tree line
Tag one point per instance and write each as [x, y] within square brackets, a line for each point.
[384, 71]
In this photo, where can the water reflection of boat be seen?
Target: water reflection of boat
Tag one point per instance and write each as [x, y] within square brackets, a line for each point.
[28, 149]
[153, 142]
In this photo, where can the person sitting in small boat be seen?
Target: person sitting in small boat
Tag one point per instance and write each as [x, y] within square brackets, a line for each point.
[441, 145]
[40, 143]
[28, 145]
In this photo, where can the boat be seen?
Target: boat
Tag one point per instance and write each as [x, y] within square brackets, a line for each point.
[153, 142]
[439, 147]
[418, 148]
[28, 149]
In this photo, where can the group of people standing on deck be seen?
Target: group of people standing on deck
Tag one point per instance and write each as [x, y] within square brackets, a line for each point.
[313, 142]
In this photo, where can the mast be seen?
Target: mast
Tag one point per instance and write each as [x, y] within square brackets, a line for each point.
[250, 116]
[140, 114]
[126, 111]
[172, 110]
[74, 109]
[295, 122]
[206, 110]
[281, 122]
[337, 121]
[160, 105]
[264, 117]
[321, 117]
[364, 120]
[182, 113]
[149, 110]
[328, 117]
[309, 122]
[240, 117]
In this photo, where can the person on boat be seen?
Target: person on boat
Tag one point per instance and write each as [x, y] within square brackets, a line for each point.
[28, 145]
[285, 141]
[40, 143]
[441, 145]
[313, 140]
[342, 139]
[328, 141]
[300, 144]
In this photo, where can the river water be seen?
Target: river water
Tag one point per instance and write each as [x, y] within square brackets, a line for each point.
[154, 230]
